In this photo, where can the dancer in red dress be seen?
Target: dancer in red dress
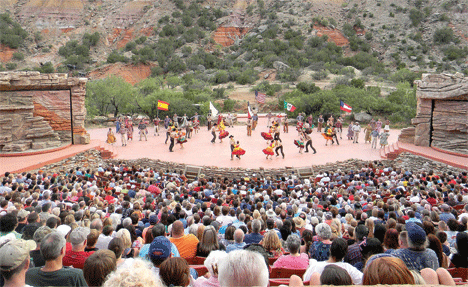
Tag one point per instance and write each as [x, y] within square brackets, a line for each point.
[222, 132]
[299, 143]
[237, 151]
[269, 150]
[181, 138]
[268, 136]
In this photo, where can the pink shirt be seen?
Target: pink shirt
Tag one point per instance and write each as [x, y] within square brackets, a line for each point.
[292, 262]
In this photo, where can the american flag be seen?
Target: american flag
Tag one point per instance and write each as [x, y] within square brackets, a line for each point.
[260, 97]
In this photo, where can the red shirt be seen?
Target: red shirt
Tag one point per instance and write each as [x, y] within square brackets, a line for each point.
[76, 259]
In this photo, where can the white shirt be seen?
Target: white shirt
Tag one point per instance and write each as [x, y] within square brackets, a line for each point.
[318, 267]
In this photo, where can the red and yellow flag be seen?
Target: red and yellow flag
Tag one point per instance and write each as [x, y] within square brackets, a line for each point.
[163, 106]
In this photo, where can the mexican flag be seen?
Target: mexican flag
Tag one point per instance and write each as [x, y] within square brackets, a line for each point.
[289, 107]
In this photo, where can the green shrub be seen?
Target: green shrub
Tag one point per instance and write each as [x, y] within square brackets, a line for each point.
[141, 40]
[12, 35]
[115, 57]
[416, 16]
[187, 20]
[348, 30]
[91, 40]
[46, 68]
[307, 87]
[18, 56]
[10, 66]
[443, 36]
[321, 75]
[228, 105]
[130, 46]
[221, 77]
[454, 52]
[358, 83]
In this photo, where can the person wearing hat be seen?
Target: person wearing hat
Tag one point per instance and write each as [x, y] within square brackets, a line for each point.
[15, 260]
[417, 256]
[232, 142]
[22, 220]
[159, 250]
[76, 257]
[356, 132]
[54, 273]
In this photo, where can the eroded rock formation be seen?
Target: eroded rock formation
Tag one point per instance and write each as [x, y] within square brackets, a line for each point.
[41, 111]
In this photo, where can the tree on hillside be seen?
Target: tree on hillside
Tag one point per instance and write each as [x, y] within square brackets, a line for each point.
[109, 95]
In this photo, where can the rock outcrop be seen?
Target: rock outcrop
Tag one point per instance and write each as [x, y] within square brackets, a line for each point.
[41, 111]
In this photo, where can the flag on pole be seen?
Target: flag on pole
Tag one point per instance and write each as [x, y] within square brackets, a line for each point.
[214, 111]
[289, 107]
[163, 106]
[260, 97]
[249, 111]
[345, 107]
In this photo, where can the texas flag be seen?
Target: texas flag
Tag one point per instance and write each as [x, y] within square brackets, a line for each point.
[289, 107]
[345, 107]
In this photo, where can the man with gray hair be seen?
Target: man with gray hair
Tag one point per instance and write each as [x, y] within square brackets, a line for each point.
[243, 268]
[238, 239]
[254, 237]
[54, 273]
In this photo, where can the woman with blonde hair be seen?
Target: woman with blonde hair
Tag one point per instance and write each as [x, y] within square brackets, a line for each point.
[370, 226]
[272, 244]
[136, 275]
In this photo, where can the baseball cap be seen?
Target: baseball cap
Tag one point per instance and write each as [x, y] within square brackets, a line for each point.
[23, 214]
[153, 219]
[79, 235]
[14, 252]
[160, 248]
[63, 229]
[416, 234]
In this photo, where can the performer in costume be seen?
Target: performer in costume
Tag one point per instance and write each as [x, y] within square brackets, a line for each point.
[117, 126]
[220, 118]
[111, 137]
[334, 135]
[173, 136]
[367, 133]
[378, 125]
[387, 125]
[184, 121]
[350, 131]
[279, 146]
[167, 120]
[130, 130]
[156, 122]
[285, 125]
[123, 135]
[320, 121]
[213, 132]
[168, 131]
[142, 130]
[308, 142]
[189, 129]
[249, 127]
[254, 121]
[299, 126]
[276, 131]
[208, 119]
[237, 151]
[269, 150]
[181, 139]
[299, 143]
[222, 131]
[328, 134]
[267, 136]
[339, 126]
[384, 138]
[375, 135]
[232, 142]
[196, 125]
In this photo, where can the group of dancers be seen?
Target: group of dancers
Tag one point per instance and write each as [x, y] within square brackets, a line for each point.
[180, 129]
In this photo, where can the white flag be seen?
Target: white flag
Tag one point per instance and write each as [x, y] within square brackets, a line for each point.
[214, 111]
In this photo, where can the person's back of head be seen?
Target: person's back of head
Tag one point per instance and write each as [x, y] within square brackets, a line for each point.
[177, 229]
[175, 272]
[256, 226]
[96, 224]
[97, 266]
[52, 245]
[159, 230]
[238, 235]
[361, 231]
[387, 270]
[335, 275]
[243, 268]
[116, 245]
[338, 249]
[8, 223]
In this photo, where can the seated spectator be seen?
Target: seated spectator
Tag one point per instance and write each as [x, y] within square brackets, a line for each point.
[243, 268]
[387, 270]
[272, 244]
[117, 246]
[255, 236]
[105, 237]
[354, 254]
[54, 273]
[294, 260]
[8, 223]
[15, 261]
[97, 266]
[368, 247]
[460, 259]
[211, 263]
[186, 244]
[209, 242]
[36, 256]
[160, 250]
[416, 256]
[175, 272]
[91, 241]
[331, 275]
[228, 236]
[129, 252]
[239, 241]
[76, 257]
[391, 240]
[307, 237]
[338, 249]
[434, 244]
[136, 275]
[320, 250]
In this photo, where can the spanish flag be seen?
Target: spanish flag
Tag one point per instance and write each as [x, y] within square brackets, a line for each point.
[163, 106]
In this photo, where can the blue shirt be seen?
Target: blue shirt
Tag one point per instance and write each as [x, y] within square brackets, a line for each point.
[235, 246]
[253, 238]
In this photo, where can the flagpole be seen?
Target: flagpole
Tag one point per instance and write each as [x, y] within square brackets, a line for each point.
[157, 111]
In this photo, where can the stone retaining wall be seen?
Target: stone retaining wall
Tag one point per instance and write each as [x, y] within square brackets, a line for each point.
[91, 159]
[35, 111]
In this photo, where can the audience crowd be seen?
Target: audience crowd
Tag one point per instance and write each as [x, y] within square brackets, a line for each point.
[137, 226]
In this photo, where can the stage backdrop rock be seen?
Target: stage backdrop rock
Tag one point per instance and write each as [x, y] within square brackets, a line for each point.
[442, 113]
[41, 111]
